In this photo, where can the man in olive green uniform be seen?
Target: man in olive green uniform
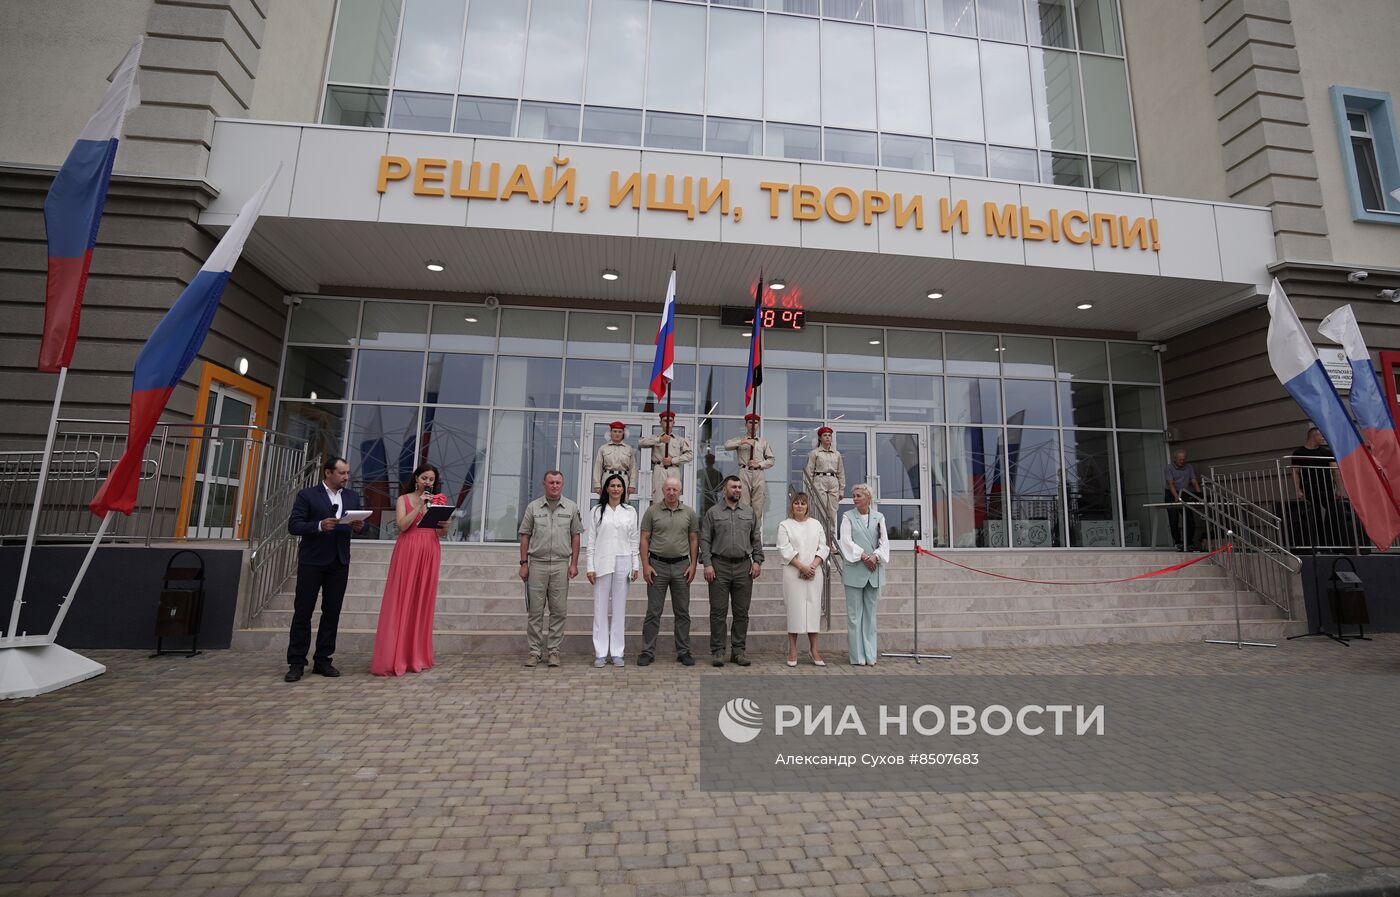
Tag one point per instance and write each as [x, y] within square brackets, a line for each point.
[549, 537]
[615, 456]
[670, 544]
[826, 481]
[668, 453]
[755, 456]
[731, 548]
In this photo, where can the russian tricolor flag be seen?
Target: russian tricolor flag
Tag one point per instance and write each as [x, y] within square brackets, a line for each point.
[663, 369]
[1295, 362]
[1368, 405]
[168, 354]
[73, 210]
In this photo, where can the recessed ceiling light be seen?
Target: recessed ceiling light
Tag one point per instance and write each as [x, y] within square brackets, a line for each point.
[612, 327]
[435, 265]
[313, 395]
[748, 333]
[934, 294]
[1001, 348]
[610, 274]
[777, 283]
[874, 342]
[469, 319]
[1084, 306]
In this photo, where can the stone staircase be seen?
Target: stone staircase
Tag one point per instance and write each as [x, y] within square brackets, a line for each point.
[481, 604]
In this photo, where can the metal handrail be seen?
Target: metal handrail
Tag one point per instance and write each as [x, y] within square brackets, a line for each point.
[1261, 563]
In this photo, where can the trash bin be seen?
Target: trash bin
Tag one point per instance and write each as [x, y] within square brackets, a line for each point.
[1346, 595]
[181, 607]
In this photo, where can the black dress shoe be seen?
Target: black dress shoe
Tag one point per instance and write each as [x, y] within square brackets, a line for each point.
[686, 659]
[293, 673]
[644, 660]
[325, 669]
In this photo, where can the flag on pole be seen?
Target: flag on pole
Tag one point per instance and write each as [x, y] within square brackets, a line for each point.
[755, 378]
[663, 369]
[168, 354]
[73, 210]
[1368, 405]
[1295, 362]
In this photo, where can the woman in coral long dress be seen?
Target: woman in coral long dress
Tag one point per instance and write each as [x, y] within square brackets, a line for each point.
[404, 642]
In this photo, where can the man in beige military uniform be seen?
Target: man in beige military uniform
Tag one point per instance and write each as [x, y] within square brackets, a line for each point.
[668, 453]
[755, 456]
[549, 538]
[615, 456]
[826, 481]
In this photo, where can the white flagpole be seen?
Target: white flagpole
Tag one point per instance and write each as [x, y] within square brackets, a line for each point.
[13, 631]
[78, 580]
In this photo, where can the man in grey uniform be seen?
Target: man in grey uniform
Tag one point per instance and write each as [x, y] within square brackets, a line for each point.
[731, 549]
[670, 540]
[549, 537]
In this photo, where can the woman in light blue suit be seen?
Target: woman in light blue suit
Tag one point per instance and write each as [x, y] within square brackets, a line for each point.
[864, 542]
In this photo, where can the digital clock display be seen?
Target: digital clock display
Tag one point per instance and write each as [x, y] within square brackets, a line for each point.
[773, 317]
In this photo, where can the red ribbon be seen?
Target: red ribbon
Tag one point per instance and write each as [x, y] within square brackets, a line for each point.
[1080, 582]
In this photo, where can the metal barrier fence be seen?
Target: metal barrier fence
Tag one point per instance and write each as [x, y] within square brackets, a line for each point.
[1306, 496]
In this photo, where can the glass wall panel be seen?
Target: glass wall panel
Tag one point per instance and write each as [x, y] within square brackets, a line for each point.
[1106, 99]
[532, 331]
[458, 379]
[421, 111]
[1050, 23]
[801, 348]
[382, 452]
[1059, 107]
[723, 345]
[952, 16]
[1079, 359]
[852, 396]
[792, 393]
[1141, 459]
[596, 385]
[388, 376]
[1027, 356]
[1013, 164]
[952, 157]
[791, 67]
[676, 67]
[1137, 407]
[430, 52]
[916, 397]
[494, 52]
[973, 353]
[554, 53]
[850, 147]
[1090, 467]
[906, 152]
[975, 496]
[1098, 26]
[1084, 404]
[733, 137]
[365, 34]
[355, 107]
[861, 348]
[1006, 88]
[848, 75]
[902, 60]
[1033, 471]
[1064, 170]
[617, 127]
[858, 10]
[598, 335]
[484, 116]
[523, 447]
[1134, 362]
[316, 373]
[667, 130]
[974, 401]
[903, 13]
[318, 423]
[914, 350]
[454, 441]
[953, 68]
[682, 389]
[549, 121]
[644, 338]
[330, 321]
[617, 42]
[716, 462]
[463, 328]
[721, 390]
[802, 7]
[1115, 174]
[399, 325]
[1030, 403]
[794, 142]
[528, 382]
[1001, 20]
[736, 65]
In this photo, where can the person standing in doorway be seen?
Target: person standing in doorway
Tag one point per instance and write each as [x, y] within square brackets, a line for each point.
[864, 542]
[549, 542]
[668, 453]
[755, 456]
[403, 641]
[731, 549]
[323, 566]
[670, 546]
[826, 481]
[1180, 477]
[612, 540]
[615, 457]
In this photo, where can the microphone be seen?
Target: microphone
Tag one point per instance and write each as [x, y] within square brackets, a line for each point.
[335, 509]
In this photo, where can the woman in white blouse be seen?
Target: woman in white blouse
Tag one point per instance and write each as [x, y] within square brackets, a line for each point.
[802, 543]
[864, 543]
[612, 539]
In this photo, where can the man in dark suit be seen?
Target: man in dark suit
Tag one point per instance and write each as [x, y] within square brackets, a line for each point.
[323, 565]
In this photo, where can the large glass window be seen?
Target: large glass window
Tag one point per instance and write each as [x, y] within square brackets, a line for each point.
[904, 13]
[493, 54]
[388, 376]
[953, 66]
[1090, 468]
[523, 447]
[1106, 99]
[792, 393]
[355, 107]
[549, 121]
[454, 441]
[667, 130]
[1006, 90]
[617, 39]
[421, 111]
[1059, 107]
[365, 34]
[1050, 23]
[791, 67]
[676, 68]
[794, 142]
[382, 450]
[485, 116]
[554, 52]
[848, 75]
[736, 64]
[430, 45]
[1001, 20]
[1033, 474]
[1098, 26]
[620, 127]
[906, 152]
[733, 137]
[850, 147]
[458, 379]
[902, 58]
[952, 16]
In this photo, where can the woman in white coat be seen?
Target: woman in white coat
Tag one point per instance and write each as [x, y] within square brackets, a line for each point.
[803, 546]
[612, 537]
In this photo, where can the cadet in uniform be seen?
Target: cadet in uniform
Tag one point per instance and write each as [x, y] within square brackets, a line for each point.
[549, 538]
[668, 453]
[826, 482]
[755, 456]
[617, 457]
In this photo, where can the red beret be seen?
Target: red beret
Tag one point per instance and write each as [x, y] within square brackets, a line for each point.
[821, 430]
[751, 416]
[617, 425]
[667, 414]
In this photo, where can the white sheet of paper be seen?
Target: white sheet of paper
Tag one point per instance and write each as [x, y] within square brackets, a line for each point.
[352, 516]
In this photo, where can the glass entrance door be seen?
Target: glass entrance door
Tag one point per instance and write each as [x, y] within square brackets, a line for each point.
[893, 460]
[217, 510]
[595, 436]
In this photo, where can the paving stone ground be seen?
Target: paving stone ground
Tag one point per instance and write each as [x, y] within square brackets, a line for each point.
[210, 776]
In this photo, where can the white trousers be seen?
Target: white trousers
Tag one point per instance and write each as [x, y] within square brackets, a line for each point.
[610, 593]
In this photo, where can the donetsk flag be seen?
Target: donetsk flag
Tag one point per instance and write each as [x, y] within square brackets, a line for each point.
[1295, 362]
[168, 354]
[1368, 404]
[663, 368]
[755, 378]
[73, 210]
